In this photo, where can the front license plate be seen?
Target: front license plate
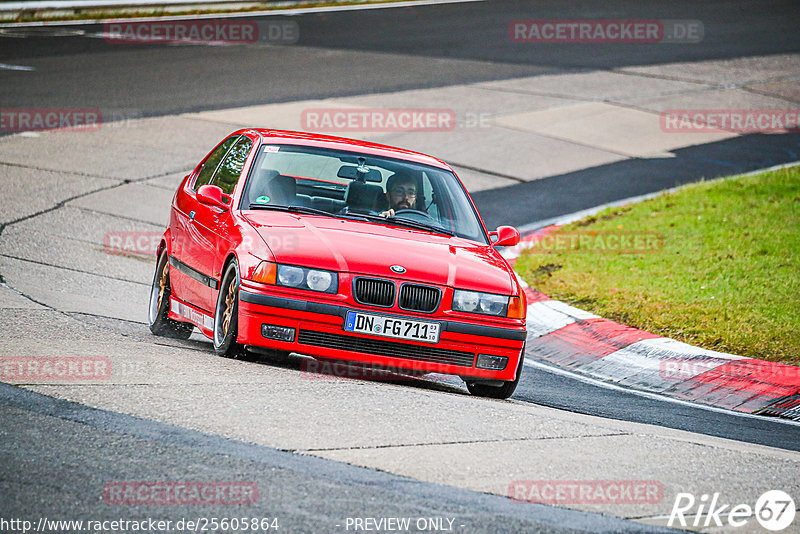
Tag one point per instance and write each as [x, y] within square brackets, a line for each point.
[396, 327]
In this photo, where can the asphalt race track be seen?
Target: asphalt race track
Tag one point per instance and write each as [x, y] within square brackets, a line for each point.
[322, 450]
[360, 52]
[311, 492]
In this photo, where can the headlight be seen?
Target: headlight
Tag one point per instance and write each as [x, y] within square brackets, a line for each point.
[467, 301]
[484, 303]
[319, 280]
[305, 278]
[290, 276]
[299, 277]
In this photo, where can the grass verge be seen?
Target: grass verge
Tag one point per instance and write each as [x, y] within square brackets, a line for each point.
[94, 14]
[715, 264]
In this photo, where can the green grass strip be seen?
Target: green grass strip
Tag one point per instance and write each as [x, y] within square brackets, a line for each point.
[133, 11]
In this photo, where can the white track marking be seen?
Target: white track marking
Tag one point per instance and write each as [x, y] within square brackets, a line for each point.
[6, 66]
[649, 395]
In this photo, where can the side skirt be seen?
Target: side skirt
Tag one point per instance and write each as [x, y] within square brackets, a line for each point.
[180, 311]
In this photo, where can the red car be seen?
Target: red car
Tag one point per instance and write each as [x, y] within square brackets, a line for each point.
[284, 242]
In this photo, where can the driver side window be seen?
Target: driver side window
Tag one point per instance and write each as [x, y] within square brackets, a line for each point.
[231, 167]
[212, 162]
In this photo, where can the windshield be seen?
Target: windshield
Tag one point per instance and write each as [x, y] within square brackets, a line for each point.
[383, 190]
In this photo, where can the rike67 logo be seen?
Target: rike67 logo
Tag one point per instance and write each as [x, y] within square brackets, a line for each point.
[774, 510]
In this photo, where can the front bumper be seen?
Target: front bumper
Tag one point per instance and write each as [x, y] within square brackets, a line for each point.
[318, 331]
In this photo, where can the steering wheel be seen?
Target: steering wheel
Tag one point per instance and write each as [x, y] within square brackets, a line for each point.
[415, 214]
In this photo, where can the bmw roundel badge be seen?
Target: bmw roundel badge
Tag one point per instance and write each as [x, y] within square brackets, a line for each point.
[399, 269]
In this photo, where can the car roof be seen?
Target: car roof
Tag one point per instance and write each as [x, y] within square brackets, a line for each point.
[343, 143]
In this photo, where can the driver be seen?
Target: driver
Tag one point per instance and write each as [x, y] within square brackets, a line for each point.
[401, 193]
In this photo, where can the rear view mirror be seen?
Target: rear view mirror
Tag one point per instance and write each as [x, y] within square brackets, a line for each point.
[351, 173]
[212, 195]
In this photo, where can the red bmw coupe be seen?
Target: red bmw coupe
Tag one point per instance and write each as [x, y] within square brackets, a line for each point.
[283, 242]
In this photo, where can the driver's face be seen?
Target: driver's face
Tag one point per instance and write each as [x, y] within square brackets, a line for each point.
[402, 196]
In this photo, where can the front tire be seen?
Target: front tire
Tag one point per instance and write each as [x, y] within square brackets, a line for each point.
[498, 392]
[158, 314]
[226, 314]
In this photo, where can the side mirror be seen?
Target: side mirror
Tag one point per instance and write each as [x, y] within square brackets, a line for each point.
[212, 195]
[505, 236]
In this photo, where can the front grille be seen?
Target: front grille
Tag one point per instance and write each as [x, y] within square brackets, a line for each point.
[419, 298]
[386, 348]
[374, 292]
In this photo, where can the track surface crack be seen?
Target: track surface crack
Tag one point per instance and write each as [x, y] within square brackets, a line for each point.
[461, 442]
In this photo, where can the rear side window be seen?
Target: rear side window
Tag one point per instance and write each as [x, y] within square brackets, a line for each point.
[212, 162]
[231, 167]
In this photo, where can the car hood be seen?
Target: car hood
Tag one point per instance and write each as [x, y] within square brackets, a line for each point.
[371, 249]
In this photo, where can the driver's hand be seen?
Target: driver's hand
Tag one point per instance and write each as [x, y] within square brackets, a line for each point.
[387, 213]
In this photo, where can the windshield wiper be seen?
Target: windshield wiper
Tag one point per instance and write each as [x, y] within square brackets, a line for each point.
[293, 209]
[421, 225]
[400, 221]
[306, 210]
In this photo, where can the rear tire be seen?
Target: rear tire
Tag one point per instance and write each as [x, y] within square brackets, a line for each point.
[158, 313]
[226, 314]
[503, 391]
